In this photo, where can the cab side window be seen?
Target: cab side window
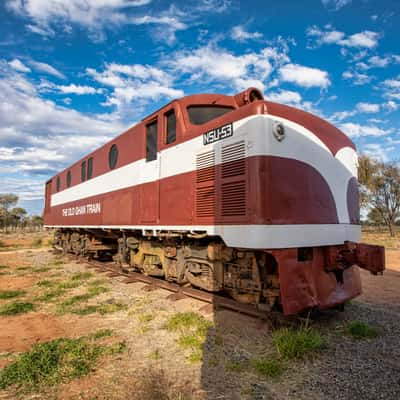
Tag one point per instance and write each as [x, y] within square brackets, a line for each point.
[170, 124]
[151, 141]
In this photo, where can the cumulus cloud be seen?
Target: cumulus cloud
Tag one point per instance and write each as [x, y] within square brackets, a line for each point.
[19, 66]
[285, 97]
[304, 76]
[357, 78]
[46, 68]
[39, 137]
[213, 64]
[135, 81]
[335, 4]
[354, 130]
[240, 34]
[329, 35]
[89, 13]
[367, 107]
[391, 88]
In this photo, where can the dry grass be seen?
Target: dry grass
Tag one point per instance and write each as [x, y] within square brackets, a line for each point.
[380, 237]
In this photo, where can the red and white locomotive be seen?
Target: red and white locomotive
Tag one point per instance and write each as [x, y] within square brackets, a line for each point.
[231, 194]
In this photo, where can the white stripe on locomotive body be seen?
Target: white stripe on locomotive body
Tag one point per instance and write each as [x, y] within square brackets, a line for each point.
[258, 236]
[299, 144]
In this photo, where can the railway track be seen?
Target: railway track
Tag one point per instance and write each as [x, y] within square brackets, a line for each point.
[213, 302]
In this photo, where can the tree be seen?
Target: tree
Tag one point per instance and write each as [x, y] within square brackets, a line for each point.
[385, 196]
[380, 189]
[7, 200]
[18, 215]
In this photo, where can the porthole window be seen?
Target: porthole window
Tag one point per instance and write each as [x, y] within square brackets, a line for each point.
[83, 171]
[69, 177]
[58, 184]
[113, 156]
[90, 168]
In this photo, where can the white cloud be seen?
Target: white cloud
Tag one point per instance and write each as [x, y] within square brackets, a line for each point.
[36, 131]
[378, 151]
[391, 88]
[335, 4]
[136, 81]
[357, 78]
[78, 89]
[214, 64]
[89, 13]
[241, 35]
[390, 106]
[304, 76]
[46, 68]
[356, 130]
[284, 96]
[366, 39]
[329, 35]
[19, 66]
[367, 107]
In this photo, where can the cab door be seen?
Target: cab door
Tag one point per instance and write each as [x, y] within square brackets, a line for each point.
[150, 176]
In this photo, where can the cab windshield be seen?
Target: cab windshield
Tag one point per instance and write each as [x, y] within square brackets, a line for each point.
[199, 115]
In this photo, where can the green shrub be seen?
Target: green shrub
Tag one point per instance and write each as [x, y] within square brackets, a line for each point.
[10, 294]
[37, 242]
[268, 367]
[296, 343]
[16, 308]
[55, 362]
[361, 330]
[193, 330]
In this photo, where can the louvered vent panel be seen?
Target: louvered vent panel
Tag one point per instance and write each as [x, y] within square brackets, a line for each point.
[233, 199]
[205, 167]
[205, 190]
[233, 159]
[205, 201]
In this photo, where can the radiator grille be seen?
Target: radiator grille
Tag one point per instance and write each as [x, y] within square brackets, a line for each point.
[233, 196]
[233, 174]
[205, 190]
[233, 159]
[205, 170]
[205, 201]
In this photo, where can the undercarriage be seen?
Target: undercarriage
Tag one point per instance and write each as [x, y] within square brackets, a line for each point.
[249, 277]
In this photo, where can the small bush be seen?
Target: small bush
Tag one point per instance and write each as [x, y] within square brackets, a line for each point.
[101, 333]
[102, 308]
[235, 366]
[11, 294]
[268, 367]
[144, 318]
[51, 294]
[81, 276]
[16, 308]
[361, 330]
[4, 267]
[41, 269]
[37, 242]
[193, 330]
[54, 362]
[296, 343]
[46, 283]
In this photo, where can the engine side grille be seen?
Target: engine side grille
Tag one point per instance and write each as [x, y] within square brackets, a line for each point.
[233, 159]
[233, 180]
[205, 189]
[205, 170]
[233, 199]
[205, 201]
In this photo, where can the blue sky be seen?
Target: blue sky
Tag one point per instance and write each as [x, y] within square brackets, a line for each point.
[75, 73]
